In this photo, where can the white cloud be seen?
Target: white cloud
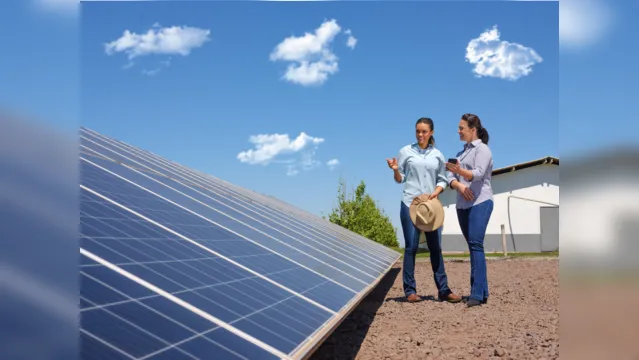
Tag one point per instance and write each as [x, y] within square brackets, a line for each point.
[297, 154]
[582, 23]
[332, 164]
[312, 60]
[501, 59]
[351, 41]
[270, 146]
[174, 40]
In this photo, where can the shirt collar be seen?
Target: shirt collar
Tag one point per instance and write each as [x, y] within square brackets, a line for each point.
[420, 150]
[473, 143]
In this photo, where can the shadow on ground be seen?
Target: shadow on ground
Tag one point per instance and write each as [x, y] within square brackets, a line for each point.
[421, 298]
[347, 339]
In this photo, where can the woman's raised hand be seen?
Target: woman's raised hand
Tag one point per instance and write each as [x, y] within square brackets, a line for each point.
[392, 163]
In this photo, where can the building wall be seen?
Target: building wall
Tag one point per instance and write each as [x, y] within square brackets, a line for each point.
[521, 220]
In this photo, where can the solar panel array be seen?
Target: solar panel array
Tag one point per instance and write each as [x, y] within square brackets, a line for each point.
[176, 264]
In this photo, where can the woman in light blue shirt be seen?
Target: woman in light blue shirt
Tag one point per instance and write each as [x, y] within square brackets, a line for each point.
[421, 168]
[471, 178]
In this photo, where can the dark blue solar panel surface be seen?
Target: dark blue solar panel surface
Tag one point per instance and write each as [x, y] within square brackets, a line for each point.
[123, 152]
[256, 227]
[201, 229]
[357, 268]
[194, 275]
[347, 252]
[191, 218]
[314, 286]
[121, 319]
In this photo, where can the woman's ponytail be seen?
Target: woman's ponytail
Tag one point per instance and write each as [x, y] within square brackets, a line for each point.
[482, 133]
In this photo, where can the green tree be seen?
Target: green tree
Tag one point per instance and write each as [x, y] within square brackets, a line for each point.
[360, 214]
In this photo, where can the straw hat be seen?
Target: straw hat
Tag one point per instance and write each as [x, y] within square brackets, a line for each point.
[427, 215]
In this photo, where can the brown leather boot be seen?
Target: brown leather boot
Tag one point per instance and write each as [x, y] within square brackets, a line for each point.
[412, 298]
[452, 298]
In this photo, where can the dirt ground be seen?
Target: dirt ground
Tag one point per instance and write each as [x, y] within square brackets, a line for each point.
[520, 321]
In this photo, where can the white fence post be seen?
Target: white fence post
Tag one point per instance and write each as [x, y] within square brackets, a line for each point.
[503, 240]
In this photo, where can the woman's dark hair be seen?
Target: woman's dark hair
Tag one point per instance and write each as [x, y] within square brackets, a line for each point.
[474, 122]
[429, 122]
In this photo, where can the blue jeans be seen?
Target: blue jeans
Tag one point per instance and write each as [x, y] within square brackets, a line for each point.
[411, 243]
[473, 222]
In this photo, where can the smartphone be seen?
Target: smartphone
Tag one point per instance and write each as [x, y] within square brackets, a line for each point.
[452, 161]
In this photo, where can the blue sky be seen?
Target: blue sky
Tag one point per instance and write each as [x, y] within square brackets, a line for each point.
[408, 62]
[411, 66]
[39, 64]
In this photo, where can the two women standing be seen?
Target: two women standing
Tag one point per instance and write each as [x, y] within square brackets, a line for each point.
[421, 168]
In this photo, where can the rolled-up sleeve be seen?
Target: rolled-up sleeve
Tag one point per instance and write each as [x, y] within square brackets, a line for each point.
[442, 179]
[450, 176]
[483, 156]
[401, 160]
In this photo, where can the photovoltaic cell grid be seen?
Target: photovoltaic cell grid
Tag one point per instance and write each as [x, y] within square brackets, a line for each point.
[182, 179]
[177, 264]
[171, 172]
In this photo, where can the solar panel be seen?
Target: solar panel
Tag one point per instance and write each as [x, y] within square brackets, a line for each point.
[177, 264]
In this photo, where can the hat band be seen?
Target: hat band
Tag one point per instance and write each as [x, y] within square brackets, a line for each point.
[420, 214]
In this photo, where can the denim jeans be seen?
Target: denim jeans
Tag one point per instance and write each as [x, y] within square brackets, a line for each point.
[411, 243]
[473, 222]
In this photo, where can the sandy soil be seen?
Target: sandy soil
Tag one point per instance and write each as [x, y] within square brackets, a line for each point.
[520, 321]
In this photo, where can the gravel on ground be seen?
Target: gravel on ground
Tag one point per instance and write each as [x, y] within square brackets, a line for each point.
[520, 320]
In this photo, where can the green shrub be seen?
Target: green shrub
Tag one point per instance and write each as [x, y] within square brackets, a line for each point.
[359, 213]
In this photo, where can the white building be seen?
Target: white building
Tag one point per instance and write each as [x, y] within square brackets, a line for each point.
[526, 198]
